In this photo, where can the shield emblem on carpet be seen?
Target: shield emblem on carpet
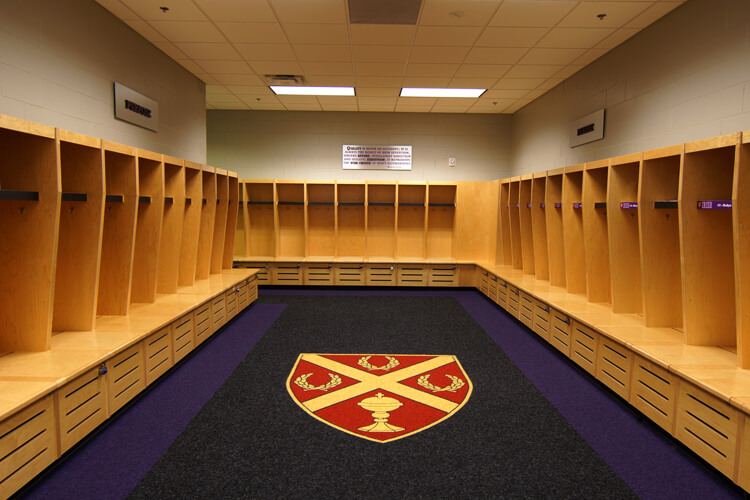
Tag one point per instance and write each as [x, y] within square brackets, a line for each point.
[380, 397]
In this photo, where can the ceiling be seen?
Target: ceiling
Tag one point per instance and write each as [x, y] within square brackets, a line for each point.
[517, 49]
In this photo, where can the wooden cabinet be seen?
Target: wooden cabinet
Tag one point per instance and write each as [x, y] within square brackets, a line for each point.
[595, 233]
[174, 218]
[260, 225]
[351, 215]
[286, 273]
[538, 211]
[191, 225]
[291, 219]
[614, 366]
[584, 343]
[148, 226]
[126, 376]
[381, 220]
[318, 273]
[158, 351]
[183, 337]
[380, 274]
[560, 331]
[412, 274]
[81, 406]
[349, 274]
[528, 257]
[442, 275]
[321, 219]
[654, 393]
[555, 230]
[410, 221]
[526, 310]
[541, 323]
[441, 216]
[572, 218]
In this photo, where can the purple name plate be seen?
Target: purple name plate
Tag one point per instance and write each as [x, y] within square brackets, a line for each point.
[715, 205]
[577, 205]
[518, 205]
[528, 205]
[542, 205]
[558, 205]
[628, 204]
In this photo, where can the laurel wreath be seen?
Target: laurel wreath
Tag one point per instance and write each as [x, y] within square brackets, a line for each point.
[302, 382]
[455, 385]
[392, 363]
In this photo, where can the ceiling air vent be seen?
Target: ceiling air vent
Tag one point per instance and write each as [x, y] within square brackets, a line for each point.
[295, 80]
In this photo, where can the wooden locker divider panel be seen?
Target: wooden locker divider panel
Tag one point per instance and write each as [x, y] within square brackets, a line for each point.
[171, 232]
[514, 301]
[158, 351]
[595, 232]
[560, 334]
[148, 227]
[81, 407]
[349, 274]
[660, 237]
[80, 238]
[614, 366]
[654, 393]
[208, 219]
[707, 242]
[350, 219]
[584, 346]
[260, 225]
[183, 337]
[524, 218]
[572, 217]
[412, 275]
[381, 220]
[28, 444]
[220, 224]
[539, 225]
[555, 232]
[321, 219]
[441, 220]
[286, 273]
[240, 237]
[624, 240]
[410, 221]
[202, 322]
[504, 252]
[29, 168]
[118, 234]
[218, 312]
[542, 319]
[740, 213]
[318, 273]
[380, 274]
[526, 310]
[515, 223]
[466, 275]
[191, 226]
[442, 275]
[291, 219]
[126, 376]
[709, 427]
[233, 209]
[476, 237]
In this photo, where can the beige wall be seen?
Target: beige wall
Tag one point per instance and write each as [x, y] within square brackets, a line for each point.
[58, 62]
[308, 145]
[686, 77]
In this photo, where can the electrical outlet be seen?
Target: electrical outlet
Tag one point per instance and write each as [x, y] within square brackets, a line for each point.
[451, 162]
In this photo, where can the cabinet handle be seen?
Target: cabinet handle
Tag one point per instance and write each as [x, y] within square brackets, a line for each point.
[329, 266]
[504, 285]
[297, 266]
[566, 320]
[102, 369]
[391, 268]
[454, 267]
[237, 289]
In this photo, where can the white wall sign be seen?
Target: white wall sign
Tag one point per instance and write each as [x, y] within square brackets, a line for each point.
[136, 108]
[587, 129]
[357, 157]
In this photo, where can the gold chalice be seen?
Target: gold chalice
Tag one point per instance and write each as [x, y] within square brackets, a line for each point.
[380, 406]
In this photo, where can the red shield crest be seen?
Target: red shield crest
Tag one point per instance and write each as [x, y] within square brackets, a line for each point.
[380, 397]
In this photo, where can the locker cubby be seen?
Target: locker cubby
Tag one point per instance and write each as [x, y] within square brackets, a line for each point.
[410, 221]
[220, 224]
[572, 217]
[321, 219]
[118, 233]
[233, 202]
[527, 232]
[441, 219]
[660, 237]
[553, 216]
[260, 232]
[381, 220]
[174, 218]
[624, 239]
[596, 238]
[148, 227]
[351, 214]
[208, 219]
[504, 254]
[707, 243]
[79, 242]
[539, 225]
[191, 225]
[240, 237]
[740, 213]
[291, 219]
[29, 221]
[515, 223]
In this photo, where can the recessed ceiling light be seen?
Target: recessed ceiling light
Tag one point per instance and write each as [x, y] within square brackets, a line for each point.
[421, 92]
[300, 90]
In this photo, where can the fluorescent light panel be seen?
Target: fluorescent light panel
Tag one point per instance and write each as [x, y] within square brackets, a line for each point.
[299, 90]
[422, 92]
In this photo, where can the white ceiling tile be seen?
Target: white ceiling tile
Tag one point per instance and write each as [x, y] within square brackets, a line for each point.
[482, 70]
[511, 37]
[208, 79]
[589, 56]
[483, 109]
[524, 13]
[438, 54]
[457, 12]
[179, 10]
[497, 102]
[568, 71]
[146, 30]
[440, 36]
[535, 94]
[297, 99]
[229, 79]
[379, 69]
[276, 68]
[191, 66]
[426, 82]
[239, 106]
[267, 107]
[260, 99]
[266, 51]
[533, 71]
[351, 101]
[323, 53]
[377, 92]
[228, 67]
[652, 14]
[117, 8]
[417, 101]
[518, 105]
[327, 68]
[250, 11]
[551, 56]
[574, 38]
[217, 90]
[431, 70]
[189, 31]
[550, 83]
[381, 53]
[378, 81]
[617, 38]
[376, 34]
[497, 95]
[253, 32]
[321, 34]
[437, 108]
[305, 11]
[172, 51]
[383, 108]
[617, 14]
[249, 90]
[331, 80]
[406, 108]
[464, 102]
[492, 55]
[222, 99]
[218, 51]
[339, 107]
[472, 83]
[386, 101]
[518, 83]
[303, 107]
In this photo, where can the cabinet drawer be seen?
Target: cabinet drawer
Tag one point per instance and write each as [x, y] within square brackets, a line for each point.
[183, 337]
[242, 301]
[81, 407]
[28, 444]
[483, 282]
[252, 290]
[287, 274]
[654, 393]
[442, 275]
[614, 366]
[559, 333]
[514, 301]
[412, 275]
[380, 274]
[218, 312]
[230, 301]
[541, 319]
[583, 346]
[502, 293]
[349, 274]
[526, 310]
[158, 347]
[202, 322]
[125, 377]
[708, 426]
[492, 287]
[264, 275]
[318, 274]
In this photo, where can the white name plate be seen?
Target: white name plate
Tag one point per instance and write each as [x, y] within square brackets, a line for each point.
[359, 157]
[132, 107]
